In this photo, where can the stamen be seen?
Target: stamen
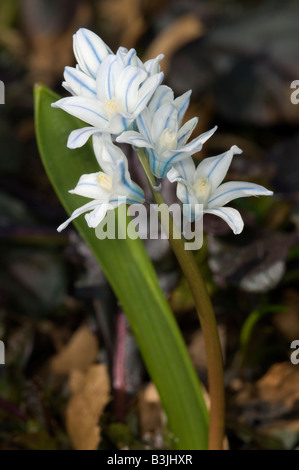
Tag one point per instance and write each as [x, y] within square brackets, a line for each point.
[112, 106]
[202, 189]
[105, 182]
[168, 139]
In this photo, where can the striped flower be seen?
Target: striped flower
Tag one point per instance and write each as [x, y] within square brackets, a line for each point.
[202, 185]
[109, 90]
[107, 189]
[159, 131]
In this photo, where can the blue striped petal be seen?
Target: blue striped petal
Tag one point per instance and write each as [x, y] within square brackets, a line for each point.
[181, 103]
[162, 95]
[122, 183]
[89, 50]
[186, 131]
[79, 137]
[146, 91]
[133, 138]
[79, 82]
[152, 66]
[215, 168]
[231, 216]
[196, 144]
[107, 154]
[88, 186]
[144, 124]
[164, 118]
[126, 90]
[235, 189]
[107, 75]
[95, 217]
[87, 207]
[120, 122]
[87, 109]
[182, 171]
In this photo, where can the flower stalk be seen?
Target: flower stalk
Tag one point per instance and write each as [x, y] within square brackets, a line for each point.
[205, 314]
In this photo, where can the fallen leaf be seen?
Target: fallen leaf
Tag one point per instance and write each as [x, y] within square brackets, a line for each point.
[79, 353]
[151, 416]
[280, 386]
[90, 395]
[257, 266]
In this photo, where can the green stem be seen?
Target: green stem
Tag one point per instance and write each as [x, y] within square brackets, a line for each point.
[205, 313]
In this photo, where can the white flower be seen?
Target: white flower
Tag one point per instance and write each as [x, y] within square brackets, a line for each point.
[107, 189]
[203, 186]
[109, 90]
[159, 131]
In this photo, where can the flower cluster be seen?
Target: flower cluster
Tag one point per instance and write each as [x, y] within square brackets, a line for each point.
[122, 100]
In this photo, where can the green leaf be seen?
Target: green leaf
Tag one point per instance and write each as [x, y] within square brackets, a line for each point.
[133, 279]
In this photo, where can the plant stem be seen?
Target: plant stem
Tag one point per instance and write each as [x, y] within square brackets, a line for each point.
[205, 313]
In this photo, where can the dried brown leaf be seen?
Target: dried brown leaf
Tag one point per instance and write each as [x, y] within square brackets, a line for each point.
[79, 353]
[91, 393]
[280, 386]
[151, 416]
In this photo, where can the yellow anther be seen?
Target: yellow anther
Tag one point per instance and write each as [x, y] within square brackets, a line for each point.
[103, 178]
[112, 106]
[202, 189]
[105, 181]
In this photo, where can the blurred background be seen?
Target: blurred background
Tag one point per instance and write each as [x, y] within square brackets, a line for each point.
[67, 343]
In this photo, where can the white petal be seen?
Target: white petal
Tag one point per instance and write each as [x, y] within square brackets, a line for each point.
[133, 138]
[182, 193]
[68, 88]
[89, 50]
[182, 171]
[80, 83]
[120, 122]
[233, 190]
[87, 207]
[107, 75]
[79, 137]
[165, 118]
[146, 91]
[186, 131]
[88, 186]
[95, 217]
[122, 53]
[122, 183]
[231, 216]
[153, 65]
[107, 154]
[162, 95]
[144, 124]
[181, 103]
[86, 109]
[172, 157]
[215, 168]
[196, 144]
[126, 89]
[186, 195]
[130, 58]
